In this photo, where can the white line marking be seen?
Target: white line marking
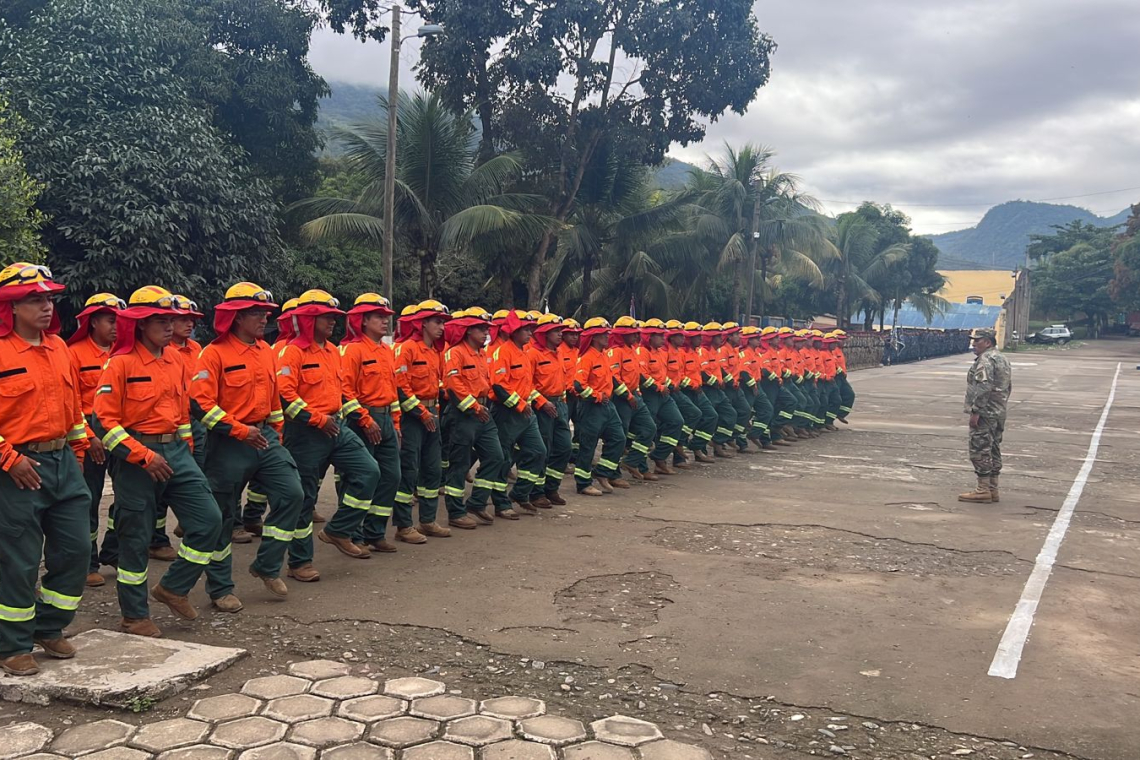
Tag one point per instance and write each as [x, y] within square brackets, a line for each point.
[1008, 653]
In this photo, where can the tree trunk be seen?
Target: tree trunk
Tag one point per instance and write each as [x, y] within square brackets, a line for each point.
[506, 292]
[534, 275]
[425, 268]
[736, 290]
[842, 312]
[763, 289]
[587, 276]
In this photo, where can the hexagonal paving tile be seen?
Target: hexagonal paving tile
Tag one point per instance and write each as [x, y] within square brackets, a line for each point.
[280, 751]
[43, 756]
[624, 730]
[224, 707]
[271, 687]
[358, 751]
[443, 707]
[411, 688]
[101, 734]
[198, 752]
[170, 734]
[24, 739]
[552, 729]
[120, 753]
[345, 687]
[318, 670]
[512, 708]
[671, 750]
[373, 708]
[478, 730]
[247, 733]
[298, 707]
[327, 732]
[516, 749]
[402, 732]
[439, 751]
[597, 751]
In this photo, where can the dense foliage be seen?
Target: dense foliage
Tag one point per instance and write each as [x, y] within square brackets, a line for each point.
[20, 220]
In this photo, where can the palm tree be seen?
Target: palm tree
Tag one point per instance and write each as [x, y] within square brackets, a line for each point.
[445, 203]
[856, 263]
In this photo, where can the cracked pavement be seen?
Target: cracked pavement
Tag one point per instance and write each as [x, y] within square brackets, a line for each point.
[841, 582]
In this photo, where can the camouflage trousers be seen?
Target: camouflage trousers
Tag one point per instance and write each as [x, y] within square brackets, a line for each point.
[985, 446]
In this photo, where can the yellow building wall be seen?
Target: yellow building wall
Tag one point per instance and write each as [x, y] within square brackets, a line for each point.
[992, 285]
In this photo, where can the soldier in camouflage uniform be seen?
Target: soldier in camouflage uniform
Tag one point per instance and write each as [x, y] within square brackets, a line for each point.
[988, 386]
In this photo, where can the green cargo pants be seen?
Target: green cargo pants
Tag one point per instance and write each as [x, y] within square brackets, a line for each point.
[387, 456]
[786, 405]
[138, 499]
[230, 465]
[762, 412]
[94, 476]
[314, 452]
[256, 502]
[51, 523]
[743, 407]
[640, 430]
[705, 428]
[555, 432]
[597, 421]
[800, 415]
[518, 433]
[667, 417]
[467, 436]
[161, 537]
[421, 470]
[725, 414]
[846, 395]
[690, 418]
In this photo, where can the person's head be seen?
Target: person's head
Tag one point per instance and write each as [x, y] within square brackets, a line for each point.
[695, 340]
[184, 323]
[375, 325]
[433, 328]
[244, 311]
[101, 328]
[476, 335]
[249, 324]
[551, 327]
[656, 339]
[323, 326]
[732, 334]
[156, 332]
[983, 340]
[571, 338]
[33, 312]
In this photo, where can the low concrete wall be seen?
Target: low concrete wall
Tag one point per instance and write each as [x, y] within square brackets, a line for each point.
[874, 349]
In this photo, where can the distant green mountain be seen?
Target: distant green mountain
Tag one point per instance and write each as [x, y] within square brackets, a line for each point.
[347, 105]
[672, 174]
[1000, 238]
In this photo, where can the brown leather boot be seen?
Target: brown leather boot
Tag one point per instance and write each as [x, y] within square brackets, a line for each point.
[555, 498]
[650, 476]
[382, 545]
[661, 467]
[618, 483]
[94, 580]
[721, 452]
[304, 574]
[994, 489]
[254, 529]
[633, 471]
[227, 603]
[241, 536]
[980, 495]
[703, 457]
[60, 649]
[604, 485]
[179, 605]
[681, 466]
[275, 586]
[782, 442]
[410, 536]
[467, 522]
[344, 546]
[434, 531]
[162, 553]
[526, 507]
[483, 515]
[591, 491]
[140, 627]
[507, 514]
[541, 502]
[318, 518]
[20, 665]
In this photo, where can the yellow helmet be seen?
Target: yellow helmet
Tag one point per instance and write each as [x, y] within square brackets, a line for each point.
[769, 330]
[105, 300]
[786, 331]
[372, 299]
[476, 311]
[597, 323]
[815, 333]
[289, 305]
[674, 324]
[500, 314]
[153, 296]
[534, 314]
[22, 273]
[839, 333]
[409, 310]
[801, 334]
[434, 306]
[185, 304]
[571, 324]
[550, 319]
[712, 327]
[248, 291]
[527, 316]
[653, 324]
[626, 322]
[730, 326]
[750, 330]
[693, 327]
[317, 297]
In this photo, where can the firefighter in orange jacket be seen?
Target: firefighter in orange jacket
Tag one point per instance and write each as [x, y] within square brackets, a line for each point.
[90, 347]
[44, 502]
[731, 361]
[657, 392]
[594, 384]
[368, 371]
[512, 387]
[308, 379]
[688, 341]
[142, 411]
[553, 371]
[234, 388]
[626, 359]
[675, 372]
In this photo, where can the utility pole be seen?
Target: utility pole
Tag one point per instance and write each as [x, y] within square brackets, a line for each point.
[390, 159]
[752, 261]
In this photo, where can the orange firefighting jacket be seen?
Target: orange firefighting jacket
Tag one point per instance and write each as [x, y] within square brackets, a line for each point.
[419, 376]
[549, 373]
[235, 385]
[512, 377]
[594, 379]
[466, 377]
[368, 374]
[308, 380]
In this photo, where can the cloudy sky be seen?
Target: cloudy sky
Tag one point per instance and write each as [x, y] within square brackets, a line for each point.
[941, 109]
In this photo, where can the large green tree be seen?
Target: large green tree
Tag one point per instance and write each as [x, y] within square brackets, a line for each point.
[1125, 285]
[20, 220]
[1076, 281]
[139, 185]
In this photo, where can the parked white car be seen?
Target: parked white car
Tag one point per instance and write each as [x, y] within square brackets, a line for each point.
[1052, 334]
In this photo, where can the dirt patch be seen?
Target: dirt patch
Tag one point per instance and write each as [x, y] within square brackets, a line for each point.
[628, 599]
[835, 550]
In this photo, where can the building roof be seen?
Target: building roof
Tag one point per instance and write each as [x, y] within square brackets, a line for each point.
[960, 316]
[993, 286]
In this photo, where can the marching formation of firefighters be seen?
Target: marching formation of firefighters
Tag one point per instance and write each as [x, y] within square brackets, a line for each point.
[489, 411]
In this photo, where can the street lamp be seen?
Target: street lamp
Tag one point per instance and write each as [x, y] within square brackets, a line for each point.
[427, 30]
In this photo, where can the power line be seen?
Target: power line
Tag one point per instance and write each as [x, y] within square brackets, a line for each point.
[992, 203]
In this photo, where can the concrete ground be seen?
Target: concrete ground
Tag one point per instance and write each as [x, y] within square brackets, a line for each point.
[838, 584]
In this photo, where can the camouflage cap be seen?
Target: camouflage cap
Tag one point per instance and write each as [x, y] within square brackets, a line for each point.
[984, 332]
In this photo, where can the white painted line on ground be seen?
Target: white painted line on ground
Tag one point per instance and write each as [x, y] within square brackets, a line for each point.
[1008, 653]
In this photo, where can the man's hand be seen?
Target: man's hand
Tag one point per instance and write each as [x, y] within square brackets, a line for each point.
[482, 414]
[632, 402]
[330, 428]
[255, 439]
[549, 410]
[25, 475]
[526, 412]
[158, 469]
[97, 452]
[429, 422]
[374, 435]
[975, 419]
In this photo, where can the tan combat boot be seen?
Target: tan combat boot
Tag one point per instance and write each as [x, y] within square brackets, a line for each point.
[994, 489]
[980, 495]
